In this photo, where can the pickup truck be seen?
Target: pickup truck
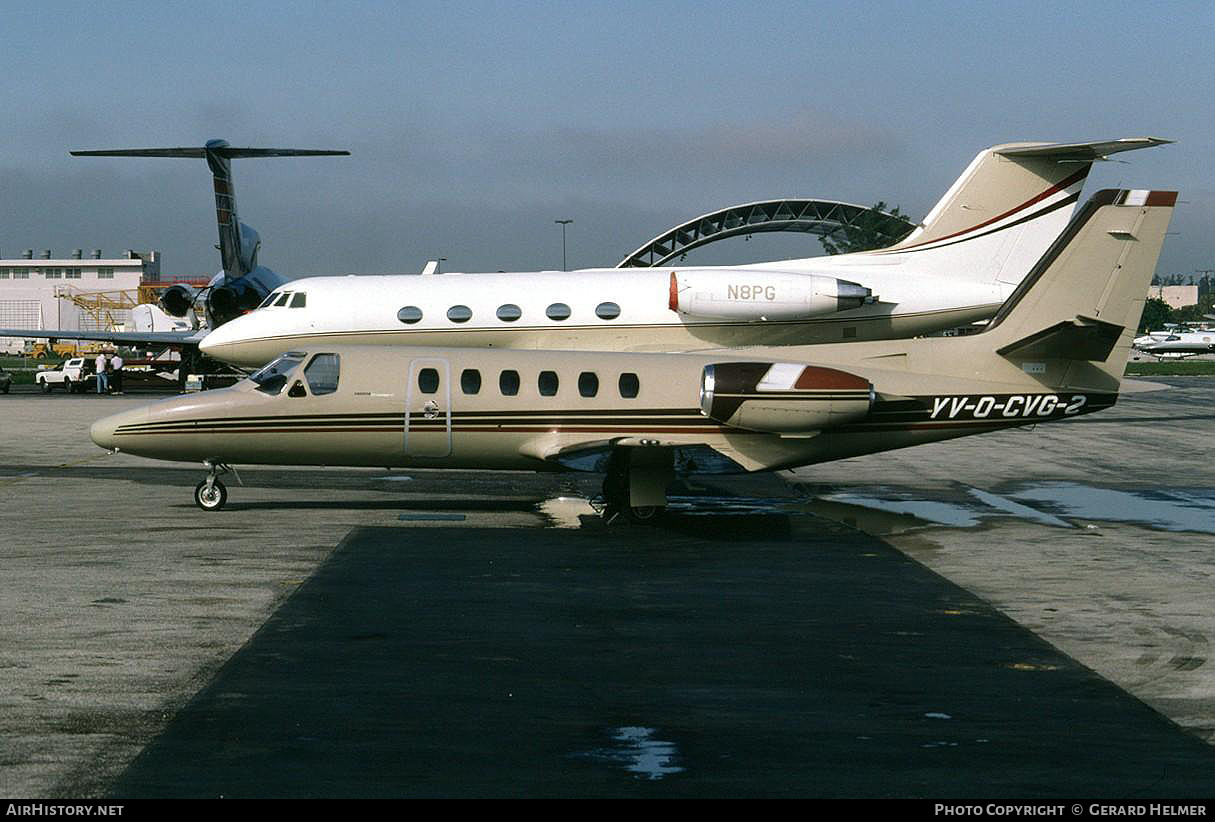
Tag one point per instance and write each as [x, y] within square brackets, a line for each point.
[76, 374]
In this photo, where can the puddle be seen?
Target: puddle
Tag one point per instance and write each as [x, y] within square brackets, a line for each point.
[930, 511]
[1047, 504]
[566, 512]
[709, 505]
[888, 510]
[1171, 510]
[640, 753]
[1016, 509]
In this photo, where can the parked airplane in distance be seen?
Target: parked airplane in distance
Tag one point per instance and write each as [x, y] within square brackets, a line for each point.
[1177, 343]
[241, 284]
[956, 268]
[1056, 349]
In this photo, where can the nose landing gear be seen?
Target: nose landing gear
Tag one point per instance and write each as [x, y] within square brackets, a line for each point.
[210, 494]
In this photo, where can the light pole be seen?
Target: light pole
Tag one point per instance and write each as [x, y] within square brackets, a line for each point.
[563, 224]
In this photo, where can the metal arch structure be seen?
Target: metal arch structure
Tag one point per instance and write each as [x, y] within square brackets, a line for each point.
[822, 217]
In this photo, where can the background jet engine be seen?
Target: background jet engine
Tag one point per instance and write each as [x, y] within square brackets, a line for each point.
[782, 398]
[177, 300]
[753, 295]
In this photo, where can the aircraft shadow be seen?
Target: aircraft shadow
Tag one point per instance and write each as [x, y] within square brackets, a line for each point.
[639, 662]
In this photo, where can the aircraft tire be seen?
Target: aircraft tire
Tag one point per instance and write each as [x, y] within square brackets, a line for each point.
[213, 499]
[645, 513]
[46, 387]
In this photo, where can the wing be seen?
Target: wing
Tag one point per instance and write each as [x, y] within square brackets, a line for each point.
[184, 338]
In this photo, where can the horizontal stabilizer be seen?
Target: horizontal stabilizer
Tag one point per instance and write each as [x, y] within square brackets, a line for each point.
[1086, 152]
[1080, 339]
[223, 151]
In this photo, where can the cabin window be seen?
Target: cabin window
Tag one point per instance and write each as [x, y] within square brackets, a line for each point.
[547, 383]
[607, 311]
[428, 380]
[558, 311]
[322, 374]
[588, 383]
[459, 313]
[470, 381]
[282, 300]
[299, 300]
[273, 296]
[509, 313]
[508, 383]
[629, 385]
[410, 314]
[271, 378]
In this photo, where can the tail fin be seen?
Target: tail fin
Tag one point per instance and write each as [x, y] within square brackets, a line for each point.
[1081, 302]
[238, 243]
[1008, 205]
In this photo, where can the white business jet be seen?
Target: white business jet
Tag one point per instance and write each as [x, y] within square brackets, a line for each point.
[956, 268]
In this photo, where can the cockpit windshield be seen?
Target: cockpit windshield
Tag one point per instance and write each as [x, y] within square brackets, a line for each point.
[289, 299]
[271, 378]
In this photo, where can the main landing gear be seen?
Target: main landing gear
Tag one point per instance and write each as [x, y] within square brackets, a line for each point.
[636, 483]
[210, 494]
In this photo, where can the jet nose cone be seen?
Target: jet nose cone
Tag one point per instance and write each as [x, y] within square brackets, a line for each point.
[102, 432]
[209, 343]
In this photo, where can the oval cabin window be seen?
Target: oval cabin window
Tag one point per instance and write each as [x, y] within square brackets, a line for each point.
[588, 384]
[508, 383]
[459, 313]
[629, 385]
[428, 380]
[509, 313]
[607, 311]
[558, 311]
[410, 314]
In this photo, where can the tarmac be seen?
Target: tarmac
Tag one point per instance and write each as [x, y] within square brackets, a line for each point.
[1021, 614]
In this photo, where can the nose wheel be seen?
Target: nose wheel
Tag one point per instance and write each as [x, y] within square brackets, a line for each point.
[211, 494]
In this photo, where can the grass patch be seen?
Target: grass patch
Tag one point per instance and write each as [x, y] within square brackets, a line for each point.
[1173, 368]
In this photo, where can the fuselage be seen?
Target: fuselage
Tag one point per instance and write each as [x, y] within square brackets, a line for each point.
[718, 412]
[593, 310]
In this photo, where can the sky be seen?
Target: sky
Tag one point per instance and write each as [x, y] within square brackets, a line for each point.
[474, 126]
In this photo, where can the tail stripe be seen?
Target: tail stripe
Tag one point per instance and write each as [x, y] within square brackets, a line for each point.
[958, 236]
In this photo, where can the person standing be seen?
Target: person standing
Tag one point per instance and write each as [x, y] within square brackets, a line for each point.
[116, 372]
[103, 383]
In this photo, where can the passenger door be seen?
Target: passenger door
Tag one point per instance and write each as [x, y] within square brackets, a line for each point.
[428, 409]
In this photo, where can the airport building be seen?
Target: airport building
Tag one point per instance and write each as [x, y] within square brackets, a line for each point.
[1176, 296]
[73, 293]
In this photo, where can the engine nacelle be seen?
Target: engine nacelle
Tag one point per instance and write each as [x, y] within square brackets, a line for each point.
[229, 297]
[176, 300]
[756, 296]
[783, 398]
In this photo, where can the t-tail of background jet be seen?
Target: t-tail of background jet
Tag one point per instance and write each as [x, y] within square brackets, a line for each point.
[242, 284]
[1009, 204]
[1070, 323]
